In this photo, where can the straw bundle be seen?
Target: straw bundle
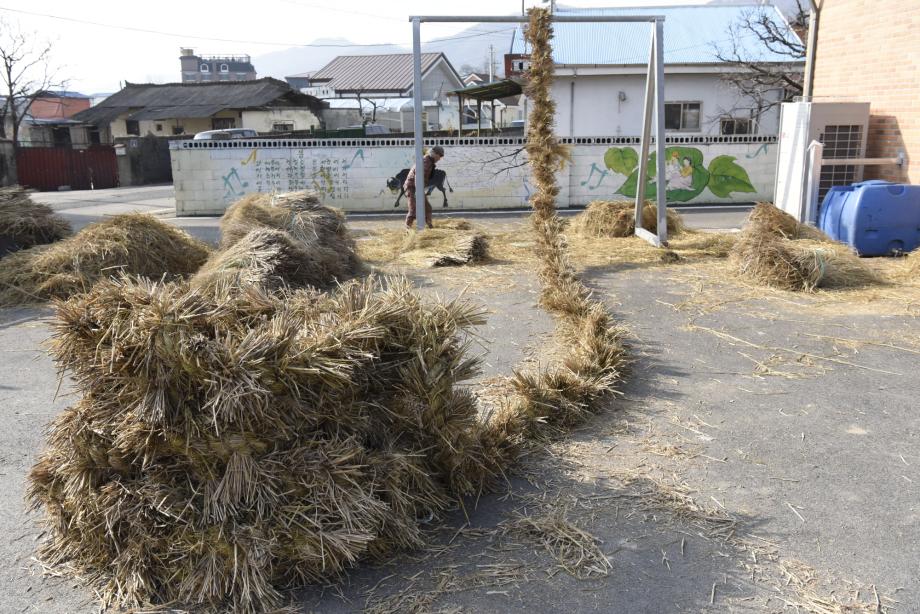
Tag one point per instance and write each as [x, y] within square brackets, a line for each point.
[300, 214]
[25, 224]
[132, 243]
[272, 258]
[776, 250]
[604, 218]
[772, 219]
[232, 443]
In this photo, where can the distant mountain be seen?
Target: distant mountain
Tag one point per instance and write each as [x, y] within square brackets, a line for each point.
[469, 47]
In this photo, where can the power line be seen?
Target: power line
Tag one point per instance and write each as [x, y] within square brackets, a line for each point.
[238, 41]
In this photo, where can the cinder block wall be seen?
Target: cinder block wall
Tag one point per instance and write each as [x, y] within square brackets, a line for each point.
[482, 173]
[869, 51]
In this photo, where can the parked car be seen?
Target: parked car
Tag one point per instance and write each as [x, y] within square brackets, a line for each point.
[227, 134]
[517, 123]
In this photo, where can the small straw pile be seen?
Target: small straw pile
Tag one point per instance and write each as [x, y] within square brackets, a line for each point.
[468, 249]
[25, 224]
[776, 250]
[234, 442]
[452, 242]
[617, 218]
[133, 243]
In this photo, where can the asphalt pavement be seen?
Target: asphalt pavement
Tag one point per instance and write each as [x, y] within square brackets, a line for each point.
[82, 207]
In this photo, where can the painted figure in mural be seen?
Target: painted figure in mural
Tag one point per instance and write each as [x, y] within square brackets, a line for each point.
[438, 180]
[679, 172]
[431, 158]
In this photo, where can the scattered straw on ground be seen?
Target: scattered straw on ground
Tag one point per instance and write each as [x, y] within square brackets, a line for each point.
[133, 243]
[575, 550]
[25, 224]
[604, 218]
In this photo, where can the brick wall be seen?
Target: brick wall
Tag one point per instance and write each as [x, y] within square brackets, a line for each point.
[484, 173]
[869, 51]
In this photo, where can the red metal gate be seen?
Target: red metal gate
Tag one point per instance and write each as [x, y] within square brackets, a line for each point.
[50, 168]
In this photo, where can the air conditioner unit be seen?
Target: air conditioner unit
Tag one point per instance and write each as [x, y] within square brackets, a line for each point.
[842, 127]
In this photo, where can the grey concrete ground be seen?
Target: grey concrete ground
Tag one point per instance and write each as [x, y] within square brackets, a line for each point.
[754, 430]
[83, 207]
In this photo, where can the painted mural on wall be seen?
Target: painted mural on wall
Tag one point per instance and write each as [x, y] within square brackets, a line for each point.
[476, 176]
[686, 175]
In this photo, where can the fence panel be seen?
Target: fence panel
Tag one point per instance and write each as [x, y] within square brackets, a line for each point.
[50, 168]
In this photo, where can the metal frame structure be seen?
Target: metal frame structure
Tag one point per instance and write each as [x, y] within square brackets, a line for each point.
[654, 100]
[816, 161]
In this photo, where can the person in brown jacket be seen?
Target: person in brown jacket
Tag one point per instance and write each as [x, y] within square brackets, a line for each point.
[431, 158]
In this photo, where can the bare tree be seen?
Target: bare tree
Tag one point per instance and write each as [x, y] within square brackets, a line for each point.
[26, 73]
[372, 103]
[764, 85]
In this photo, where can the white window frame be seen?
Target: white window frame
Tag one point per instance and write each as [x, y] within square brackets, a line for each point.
[289, 126]
[224, 68]
[699, 127]
[750, 123]
[204, 68]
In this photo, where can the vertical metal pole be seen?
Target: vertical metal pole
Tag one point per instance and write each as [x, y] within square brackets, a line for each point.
[417, 105]
[646, 133]
[810, 51]
[659, 133]
[809, 212]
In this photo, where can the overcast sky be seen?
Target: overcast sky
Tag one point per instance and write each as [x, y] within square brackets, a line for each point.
[96, 57]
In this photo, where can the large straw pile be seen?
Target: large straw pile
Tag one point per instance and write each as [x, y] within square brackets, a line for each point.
[549, 401]
[25, 224]
[605, 218]
[776, 250]
[234, 442]
[132, 243]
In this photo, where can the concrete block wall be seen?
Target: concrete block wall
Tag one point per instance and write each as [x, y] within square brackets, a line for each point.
[869, 51]
[486, 173]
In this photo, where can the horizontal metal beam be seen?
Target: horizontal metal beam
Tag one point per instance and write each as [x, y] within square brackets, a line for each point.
[862, 161]
[556, 18]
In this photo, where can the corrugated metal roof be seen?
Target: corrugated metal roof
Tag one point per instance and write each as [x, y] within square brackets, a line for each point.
[375, 73]
[691, 36]
[179, 100]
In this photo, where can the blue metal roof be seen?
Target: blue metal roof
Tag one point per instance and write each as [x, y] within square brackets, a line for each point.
[691, 35]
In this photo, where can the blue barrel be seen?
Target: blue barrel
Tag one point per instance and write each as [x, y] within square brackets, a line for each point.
[876, 218]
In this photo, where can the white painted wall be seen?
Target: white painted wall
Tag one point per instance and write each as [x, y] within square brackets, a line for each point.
[438, 81]
[261, 121]
[598, 110]
[484, 173]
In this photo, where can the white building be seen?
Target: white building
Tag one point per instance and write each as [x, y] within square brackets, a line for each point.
[601, 69]
[381, 87]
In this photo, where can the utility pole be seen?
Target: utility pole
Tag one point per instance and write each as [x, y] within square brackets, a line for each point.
[491, 63]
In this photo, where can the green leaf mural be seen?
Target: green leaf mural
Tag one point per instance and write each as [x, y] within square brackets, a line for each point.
[727, 177]
[686, 174]
[621, 160]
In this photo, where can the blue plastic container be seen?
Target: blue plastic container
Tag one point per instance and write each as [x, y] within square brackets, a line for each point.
[876, 218]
